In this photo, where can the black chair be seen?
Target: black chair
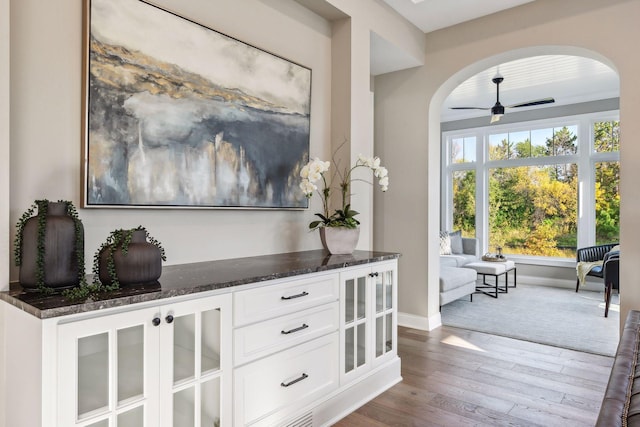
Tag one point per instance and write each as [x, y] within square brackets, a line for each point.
[591, 254]
[611, 275]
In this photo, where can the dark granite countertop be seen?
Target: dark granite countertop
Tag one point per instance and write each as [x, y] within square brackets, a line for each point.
[186, 279]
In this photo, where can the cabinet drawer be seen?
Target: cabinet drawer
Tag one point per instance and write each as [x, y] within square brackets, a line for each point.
[264, 338]
[270, 301]
[286, 381]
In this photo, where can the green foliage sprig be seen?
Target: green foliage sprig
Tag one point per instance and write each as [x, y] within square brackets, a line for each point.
[17, 243]
[340, 218]
[43, 206]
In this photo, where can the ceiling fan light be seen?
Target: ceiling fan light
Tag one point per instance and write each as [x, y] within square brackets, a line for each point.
[497, 111]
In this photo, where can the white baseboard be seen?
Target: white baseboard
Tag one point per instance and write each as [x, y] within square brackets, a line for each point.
[560, 283]
[419, 322]
[357, 394]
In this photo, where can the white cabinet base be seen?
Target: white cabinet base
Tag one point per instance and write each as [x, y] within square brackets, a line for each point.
[340, 404]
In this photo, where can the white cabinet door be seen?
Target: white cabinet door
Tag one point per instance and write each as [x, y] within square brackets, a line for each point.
[195, 363]
[368, 318]
[108, 371]
[355, 312]
[162, 366]
[385, 313]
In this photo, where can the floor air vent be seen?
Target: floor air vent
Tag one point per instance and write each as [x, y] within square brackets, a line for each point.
[305, 420]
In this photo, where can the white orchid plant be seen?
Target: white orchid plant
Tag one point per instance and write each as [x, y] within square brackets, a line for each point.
[316, 170]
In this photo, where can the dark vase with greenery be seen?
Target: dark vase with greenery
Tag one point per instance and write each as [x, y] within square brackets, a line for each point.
[129, 257]
[49, 247]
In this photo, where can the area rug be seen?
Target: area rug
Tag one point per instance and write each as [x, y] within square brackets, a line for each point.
[554, 316]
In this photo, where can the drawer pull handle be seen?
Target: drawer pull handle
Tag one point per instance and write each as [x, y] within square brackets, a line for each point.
[294, 381]
[303, 294]
[299, 328]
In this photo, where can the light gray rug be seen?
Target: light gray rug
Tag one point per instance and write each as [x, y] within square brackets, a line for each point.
[553, 316]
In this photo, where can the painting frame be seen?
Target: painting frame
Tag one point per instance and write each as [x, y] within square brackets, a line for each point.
[194, 120]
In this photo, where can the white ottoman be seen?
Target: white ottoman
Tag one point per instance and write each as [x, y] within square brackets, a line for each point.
[495, 269]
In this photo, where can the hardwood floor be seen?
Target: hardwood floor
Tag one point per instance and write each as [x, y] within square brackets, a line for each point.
[455, 377]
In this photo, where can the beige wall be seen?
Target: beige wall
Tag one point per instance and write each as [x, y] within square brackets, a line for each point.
[4, 184]
[4, 142]
[352, 116]
[408, 114]
[46, 53]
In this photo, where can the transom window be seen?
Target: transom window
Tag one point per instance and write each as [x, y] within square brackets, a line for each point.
[538, 189]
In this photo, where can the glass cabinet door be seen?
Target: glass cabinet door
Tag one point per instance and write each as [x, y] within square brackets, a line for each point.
[368, 318]
[155, 367]
[195, 367]
[107, 366]
[354, 320]
[385, 322]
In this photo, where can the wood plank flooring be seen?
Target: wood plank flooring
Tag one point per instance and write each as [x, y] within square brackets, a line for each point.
[456, 377]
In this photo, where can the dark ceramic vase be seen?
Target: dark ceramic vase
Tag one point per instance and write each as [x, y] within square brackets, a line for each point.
[142, 263]
[60, 256]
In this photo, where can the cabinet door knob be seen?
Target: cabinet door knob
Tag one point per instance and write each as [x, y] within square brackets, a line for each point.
[169, 318]
[156, 321]
[295, 381]
[303, 294]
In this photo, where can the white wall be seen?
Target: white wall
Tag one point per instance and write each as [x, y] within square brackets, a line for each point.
[46, 78]
[408, 114]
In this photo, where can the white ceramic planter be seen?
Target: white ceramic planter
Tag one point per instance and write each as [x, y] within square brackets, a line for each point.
[339, 240]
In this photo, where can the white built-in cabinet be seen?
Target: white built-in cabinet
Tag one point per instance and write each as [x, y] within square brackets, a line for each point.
[304, 350]
[159, 366]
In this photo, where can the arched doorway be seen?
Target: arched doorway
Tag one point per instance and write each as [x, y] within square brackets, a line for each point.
[486, 227]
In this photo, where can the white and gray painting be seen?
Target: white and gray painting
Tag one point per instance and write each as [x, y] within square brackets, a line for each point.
[180, 115]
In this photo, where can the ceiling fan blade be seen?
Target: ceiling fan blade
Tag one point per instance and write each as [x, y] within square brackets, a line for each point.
[532, 103]
[468, 108]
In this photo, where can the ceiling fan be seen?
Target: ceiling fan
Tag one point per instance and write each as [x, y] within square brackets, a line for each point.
[497, 111]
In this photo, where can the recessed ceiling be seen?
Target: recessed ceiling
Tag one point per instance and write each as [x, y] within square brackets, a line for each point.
[431, 15]
[567, 79]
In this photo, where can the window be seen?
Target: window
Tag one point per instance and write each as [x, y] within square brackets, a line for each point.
[464, 202]
[606, 139]
[533, 210]
[535, 189]
[463, 150]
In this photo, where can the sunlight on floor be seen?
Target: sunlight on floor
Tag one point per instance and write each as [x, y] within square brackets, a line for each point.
[612, 307]
[459, 342]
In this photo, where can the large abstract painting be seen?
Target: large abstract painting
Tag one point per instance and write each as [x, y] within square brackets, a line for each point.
[179, 115]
